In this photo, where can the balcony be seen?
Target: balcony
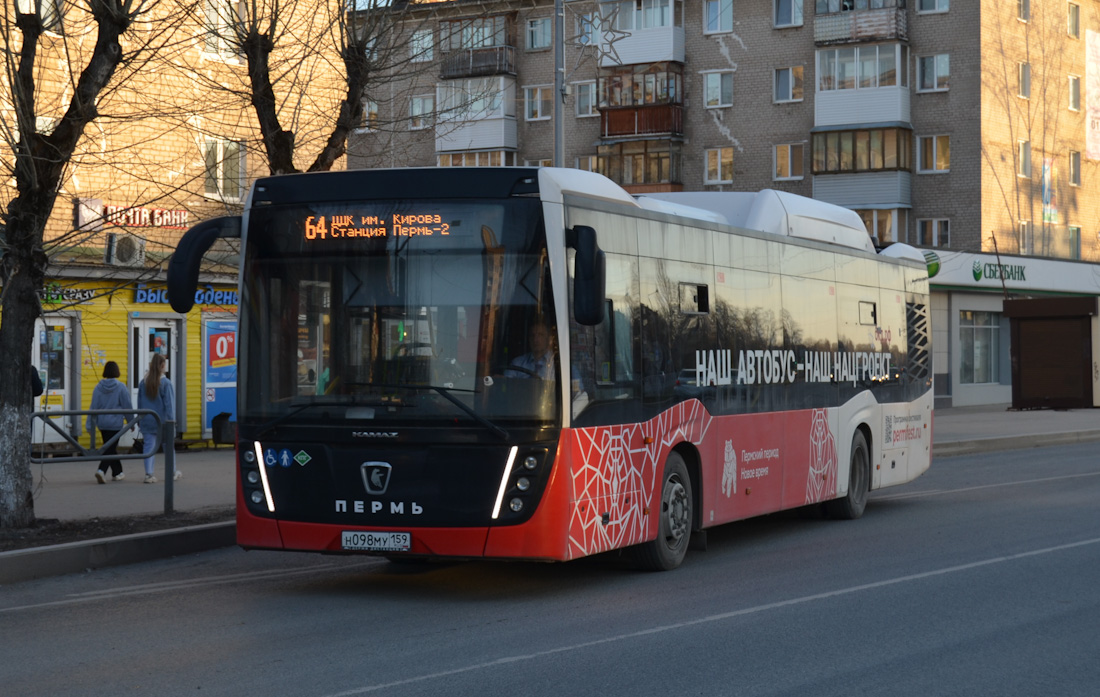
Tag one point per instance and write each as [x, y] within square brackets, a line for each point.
[476, 62]
[645, 46]
[655, 119]
[856, 26]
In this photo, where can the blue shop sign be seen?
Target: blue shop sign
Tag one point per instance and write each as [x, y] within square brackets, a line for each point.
[203, 296]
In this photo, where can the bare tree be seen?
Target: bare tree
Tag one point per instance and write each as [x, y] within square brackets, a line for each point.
[42, 153]
[310, 70]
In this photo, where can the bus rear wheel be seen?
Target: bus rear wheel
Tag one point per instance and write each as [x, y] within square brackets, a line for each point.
[674, 520]
[851, 505]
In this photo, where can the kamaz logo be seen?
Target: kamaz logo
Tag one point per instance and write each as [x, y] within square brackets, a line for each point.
[374, 434]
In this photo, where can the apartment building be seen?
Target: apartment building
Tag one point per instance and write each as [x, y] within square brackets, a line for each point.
[971, 129]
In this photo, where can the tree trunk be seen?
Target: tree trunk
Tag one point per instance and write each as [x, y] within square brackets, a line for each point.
[16, 336]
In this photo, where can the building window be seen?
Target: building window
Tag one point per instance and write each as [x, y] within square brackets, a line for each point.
[1023, 10]
[1074, 93]
[587, 163]
[586, 99]
[932, 5]
[719, 166]
[1073, 21]
[370, 115]
[543, 162]
[421, 45]
[1073, 234]
[538, 102]
[839, 152]
[224, 169]
[50, 12]
[644, 83]
[788, 13]
[933, 73]
[788, 161]
[538, 33]
[934, 154]
[479, 32]
[979, 347]
[1075, 168]
[881, 224]
[718, 89]
[1025, 239]
[862, 67]
[1023, 158]
[485, 158]
[1023, 80]
[221, 19]
[588, 29]
[641, 162]
[934, 232]
[788, 84]
[717, 16]
[641, 14]
[420, 112]
[474, 99]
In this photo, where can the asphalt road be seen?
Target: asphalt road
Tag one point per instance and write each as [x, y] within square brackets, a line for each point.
[981, 578]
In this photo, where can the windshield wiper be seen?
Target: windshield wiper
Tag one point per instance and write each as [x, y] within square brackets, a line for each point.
[445, 392]
[264, 428]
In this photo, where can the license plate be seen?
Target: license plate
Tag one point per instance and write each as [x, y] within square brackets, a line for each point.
[359, 541]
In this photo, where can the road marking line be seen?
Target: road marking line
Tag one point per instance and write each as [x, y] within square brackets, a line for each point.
[507, 660]
[937, 492]
[170, 586]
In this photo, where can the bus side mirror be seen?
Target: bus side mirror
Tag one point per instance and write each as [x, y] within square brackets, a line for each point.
[590, 276]
[183, 267]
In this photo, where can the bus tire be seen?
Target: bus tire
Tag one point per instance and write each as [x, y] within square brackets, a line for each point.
[674, 520]
[850, 506]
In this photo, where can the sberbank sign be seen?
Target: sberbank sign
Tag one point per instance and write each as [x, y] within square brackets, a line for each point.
[999, 272]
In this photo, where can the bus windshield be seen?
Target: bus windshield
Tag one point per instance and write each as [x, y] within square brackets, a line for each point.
[398, 312]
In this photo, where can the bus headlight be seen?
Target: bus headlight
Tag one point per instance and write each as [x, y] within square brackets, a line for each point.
[253, 477]
[530, 462]
[257, 497]
[516, 505]
[249, 456]
[523, 483]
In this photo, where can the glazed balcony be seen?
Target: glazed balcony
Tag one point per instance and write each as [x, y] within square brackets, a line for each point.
[653, 119]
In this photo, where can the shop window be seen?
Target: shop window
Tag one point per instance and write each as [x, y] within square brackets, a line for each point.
[979, 347]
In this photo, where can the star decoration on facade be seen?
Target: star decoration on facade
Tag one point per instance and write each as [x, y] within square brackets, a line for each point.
[603, 28]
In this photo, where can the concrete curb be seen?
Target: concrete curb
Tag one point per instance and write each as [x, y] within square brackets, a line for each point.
[72, 557]
[993, 444]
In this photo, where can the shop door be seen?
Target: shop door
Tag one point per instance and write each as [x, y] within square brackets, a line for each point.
[52, 358]
[149, 336]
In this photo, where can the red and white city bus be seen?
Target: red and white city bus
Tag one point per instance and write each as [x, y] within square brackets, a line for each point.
[702, 358]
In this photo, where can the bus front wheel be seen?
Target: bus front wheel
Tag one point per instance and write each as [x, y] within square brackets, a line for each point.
[851, 506]
[674, 524]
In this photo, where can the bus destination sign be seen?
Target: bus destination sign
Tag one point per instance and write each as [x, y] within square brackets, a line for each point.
[350, 226]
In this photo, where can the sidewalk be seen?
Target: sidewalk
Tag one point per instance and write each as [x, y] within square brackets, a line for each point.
[68, 491]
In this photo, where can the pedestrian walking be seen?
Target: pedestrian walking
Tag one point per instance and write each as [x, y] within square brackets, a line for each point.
[110, 393]
[155, 393]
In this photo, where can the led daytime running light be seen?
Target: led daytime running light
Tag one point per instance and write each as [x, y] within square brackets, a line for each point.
[263, 477]
[504, 480]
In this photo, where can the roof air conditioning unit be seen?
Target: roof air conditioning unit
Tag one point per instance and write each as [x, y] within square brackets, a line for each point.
[125, 250]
